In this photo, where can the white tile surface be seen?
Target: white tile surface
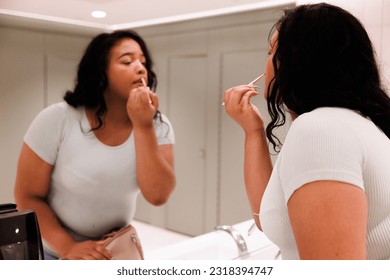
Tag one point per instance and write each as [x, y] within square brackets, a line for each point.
[386, 12]
[375, 34]
[372, 12]
[386, 44]
[385, 55]
[385, 70]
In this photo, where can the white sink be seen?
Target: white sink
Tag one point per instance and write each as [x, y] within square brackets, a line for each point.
[219, 245]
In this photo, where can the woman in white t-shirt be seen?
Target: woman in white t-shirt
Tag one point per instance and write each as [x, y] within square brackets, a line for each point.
[328, 194]
[84, 161]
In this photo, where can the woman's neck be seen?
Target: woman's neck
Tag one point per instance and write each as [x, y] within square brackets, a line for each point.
[116, 111]
[116, 114]
[116, 128]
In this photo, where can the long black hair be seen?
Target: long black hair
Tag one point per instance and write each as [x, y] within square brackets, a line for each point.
[324, 58]
[92, 80]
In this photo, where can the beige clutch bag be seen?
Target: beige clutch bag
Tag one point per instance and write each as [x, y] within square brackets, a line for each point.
[124, 244]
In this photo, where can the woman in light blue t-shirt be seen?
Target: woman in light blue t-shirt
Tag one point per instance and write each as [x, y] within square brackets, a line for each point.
[84, 161]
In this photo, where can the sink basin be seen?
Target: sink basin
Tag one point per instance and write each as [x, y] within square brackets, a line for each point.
[210, 246]
[219, 245]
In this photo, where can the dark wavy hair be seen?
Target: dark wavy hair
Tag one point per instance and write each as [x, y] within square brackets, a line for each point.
[324, 58]
[92, 80]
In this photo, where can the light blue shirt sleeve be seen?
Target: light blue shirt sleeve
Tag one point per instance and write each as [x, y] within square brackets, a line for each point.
[44, 134]
[164, 131]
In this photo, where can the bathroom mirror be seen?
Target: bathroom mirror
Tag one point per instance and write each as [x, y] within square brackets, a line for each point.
[195, 61]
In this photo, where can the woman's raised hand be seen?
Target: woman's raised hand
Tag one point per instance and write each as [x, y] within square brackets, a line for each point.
[142, 105]
[241, 110]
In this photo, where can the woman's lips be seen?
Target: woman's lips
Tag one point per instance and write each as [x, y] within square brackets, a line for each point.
[140, 81]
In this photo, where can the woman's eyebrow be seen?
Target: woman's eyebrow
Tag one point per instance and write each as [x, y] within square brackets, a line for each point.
[126, 54]
[130, 54]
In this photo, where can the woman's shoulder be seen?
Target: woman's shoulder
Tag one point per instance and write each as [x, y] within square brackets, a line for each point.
[326, 123]
[164, 130]
[327, 117]
[162, 119]
[60, 110]
[56, 117]
[47, 130]
[327, 113]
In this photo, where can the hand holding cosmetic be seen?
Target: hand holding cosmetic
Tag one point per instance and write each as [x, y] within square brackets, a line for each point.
[142, 105]
[240, 109]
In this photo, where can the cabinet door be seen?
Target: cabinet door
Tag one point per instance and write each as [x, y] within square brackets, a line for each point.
[181, 68]
[21, 97]
[187, 111]
[239, 67]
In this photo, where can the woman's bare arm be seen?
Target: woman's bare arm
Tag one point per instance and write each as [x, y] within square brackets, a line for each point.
[329, 220]
[31, 190]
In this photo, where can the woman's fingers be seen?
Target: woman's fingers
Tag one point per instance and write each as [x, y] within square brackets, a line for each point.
[238, 95]
[102, 252]
[142, 106]
[241, 110]
[141, 95]
[245, 100]
[154, 99]
[88, 250]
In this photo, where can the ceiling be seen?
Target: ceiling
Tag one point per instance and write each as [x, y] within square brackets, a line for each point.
[121, 14]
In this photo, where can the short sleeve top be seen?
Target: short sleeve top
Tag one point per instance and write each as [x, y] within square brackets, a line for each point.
[93, 188]
[331, 144]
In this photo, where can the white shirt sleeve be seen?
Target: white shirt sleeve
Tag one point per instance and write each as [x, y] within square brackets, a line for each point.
[164, 131]
[44, 134]
[320, 149]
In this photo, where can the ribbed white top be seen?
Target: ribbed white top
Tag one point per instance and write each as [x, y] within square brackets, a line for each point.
[331, 144]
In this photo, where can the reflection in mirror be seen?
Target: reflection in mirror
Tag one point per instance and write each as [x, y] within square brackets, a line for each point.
[195, 62]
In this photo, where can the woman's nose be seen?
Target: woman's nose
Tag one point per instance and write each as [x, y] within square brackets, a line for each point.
[140, 67]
